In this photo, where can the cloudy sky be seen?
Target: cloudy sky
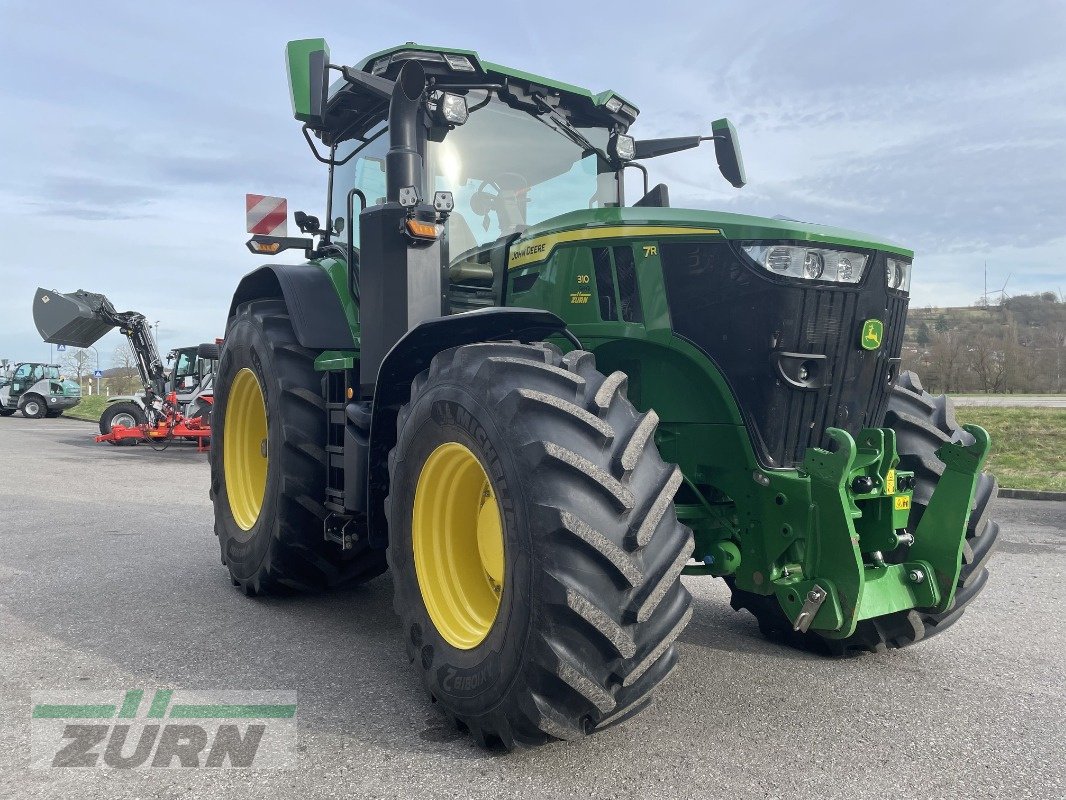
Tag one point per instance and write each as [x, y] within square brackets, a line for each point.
[131, 131]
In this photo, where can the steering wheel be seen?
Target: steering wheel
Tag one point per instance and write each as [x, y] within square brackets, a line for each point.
[483, 203]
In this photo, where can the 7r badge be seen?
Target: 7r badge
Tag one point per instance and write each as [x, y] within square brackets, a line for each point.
[873, 331]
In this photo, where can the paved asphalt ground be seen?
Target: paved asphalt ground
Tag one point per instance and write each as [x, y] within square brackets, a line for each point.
[110, 578]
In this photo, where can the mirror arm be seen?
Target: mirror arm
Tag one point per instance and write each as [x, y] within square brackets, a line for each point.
[353, 267]
[642, 168]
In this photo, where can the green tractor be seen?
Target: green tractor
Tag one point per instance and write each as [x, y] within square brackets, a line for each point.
[540, 405]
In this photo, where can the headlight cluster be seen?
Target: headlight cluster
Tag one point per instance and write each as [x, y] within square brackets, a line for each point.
[810, 263]
[898, 274]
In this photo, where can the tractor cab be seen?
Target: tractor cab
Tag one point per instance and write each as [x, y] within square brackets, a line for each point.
[191, 372]
[507, 168]
[512, 150]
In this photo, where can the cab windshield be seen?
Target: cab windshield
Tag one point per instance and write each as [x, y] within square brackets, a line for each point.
[506, 168]
[186, 364]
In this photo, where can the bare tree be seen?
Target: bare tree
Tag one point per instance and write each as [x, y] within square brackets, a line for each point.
[79, 363]
[125, 379]
[989, 360]
[946, 353]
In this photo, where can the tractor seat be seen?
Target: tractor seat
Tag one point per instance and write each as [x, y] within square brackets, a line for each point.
[460, 236]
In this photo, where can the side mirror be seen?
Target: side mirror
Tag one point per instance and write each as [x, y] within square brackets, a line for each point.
[727, 152]
[307, 61]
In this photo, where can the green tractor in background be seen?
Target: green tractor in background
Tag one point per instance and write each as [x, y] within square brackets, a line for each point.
[540, 406]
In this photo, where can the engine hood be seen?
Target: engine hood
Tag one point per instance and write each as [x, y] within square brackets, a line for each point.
[717, 223]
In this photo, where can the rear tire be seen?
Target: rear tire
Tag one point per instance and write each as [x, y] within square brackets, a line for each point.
[210, 351]
[284, 548]
[590, 601]
[128, 415]
[922, 424]
[7, 412]
[33, 406]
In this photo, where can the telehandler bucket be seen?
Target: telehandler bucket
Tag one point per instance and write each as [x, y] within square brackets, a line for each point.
[69, 319]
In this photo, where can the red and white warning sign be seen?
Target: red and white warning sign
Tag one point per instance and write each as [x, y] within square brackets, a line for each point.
[267, 215]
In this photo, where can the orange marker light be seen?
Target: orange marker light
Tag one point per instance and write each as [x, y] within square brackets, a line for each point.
[421, 230]
[266, 247]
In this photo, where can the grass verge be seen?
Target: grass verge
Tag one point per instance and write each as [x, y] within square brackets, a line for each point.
[89, 408]
[1028, 445]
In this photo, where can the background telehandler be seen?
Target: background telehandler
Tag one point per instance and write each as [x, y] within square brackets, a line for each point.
[175, 403]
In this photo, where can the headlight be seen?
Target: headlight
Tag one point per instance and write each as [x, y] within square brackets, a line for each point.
[622, 147]
[809, 263]
[898, 274]
[449, 108]
[453, 108]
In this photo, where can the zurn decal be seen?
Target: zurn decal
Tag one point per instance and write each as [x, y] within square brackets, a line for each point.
[582, 295]
[163, 729]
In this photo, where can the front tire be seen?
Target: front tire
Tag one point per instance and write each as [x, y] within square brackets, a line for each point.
[521, 445]
[126, 414]
[268, 462]
[34, 407]
[922, 424]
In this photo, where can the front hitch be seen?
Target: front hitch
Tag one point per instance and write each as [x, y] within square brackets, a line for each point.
[861, 506]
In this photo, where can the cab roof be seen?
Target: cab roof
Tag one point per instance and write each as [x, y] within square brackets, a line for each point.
[351, 114]
[499, 71]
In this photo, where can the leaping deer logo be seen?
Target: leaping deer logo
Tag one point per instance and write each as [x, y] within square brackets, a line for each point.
[871, 334]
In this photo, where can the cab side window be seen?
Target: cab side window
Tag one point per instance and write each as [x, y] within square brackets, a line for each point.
[605, 294]
[366, 172]
[616, 284]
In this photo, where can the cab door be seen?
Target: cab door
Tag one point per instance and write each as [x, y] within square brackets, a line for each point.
[21, 380]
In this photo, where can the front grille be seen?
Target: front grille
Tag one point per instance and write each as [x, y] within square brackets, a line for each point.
[743, 319]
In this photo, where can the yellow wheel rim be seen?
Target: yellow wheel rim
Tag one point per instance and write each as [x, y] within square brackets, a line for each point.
[244, 450]
[457, 537]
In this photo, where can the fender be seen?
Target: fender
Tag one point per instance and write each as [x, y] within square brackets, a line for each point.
[314, 308]
[410, 356]
[127, 398]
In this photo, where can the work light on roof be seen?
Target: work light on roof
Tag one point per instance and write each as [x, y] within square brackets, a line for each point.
[448, 108]
[458, 63]
[622, 147]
